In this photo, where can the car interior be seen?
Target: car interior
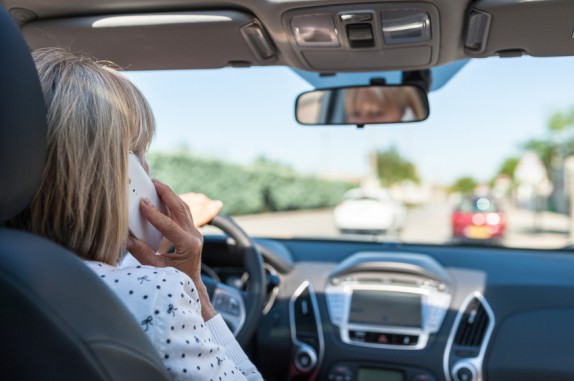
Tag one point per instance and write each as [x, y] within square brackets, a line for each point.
[314, 308]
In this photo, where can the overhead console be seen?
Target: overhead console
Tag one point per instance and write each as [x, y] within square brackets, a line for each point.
[381, 36]
[386, 300]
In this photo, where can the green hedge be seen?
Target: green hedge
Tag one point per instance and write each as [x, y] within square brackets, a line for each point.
[261, 187]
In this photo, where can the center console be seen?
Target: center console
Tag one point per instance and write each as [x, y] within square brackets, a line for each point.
[387, 300]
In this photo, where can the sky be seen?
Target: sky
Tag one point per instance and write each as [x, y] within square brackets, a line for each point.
[476, 120]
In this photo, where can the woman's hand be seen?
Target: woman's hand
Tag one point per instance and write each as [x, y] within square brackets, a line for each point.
[203, 210]
[202, 207]
[179, 229]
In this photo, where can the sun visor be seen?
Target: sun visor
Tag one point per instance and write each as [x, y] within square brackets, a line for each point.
[515, 27]
[197, 40]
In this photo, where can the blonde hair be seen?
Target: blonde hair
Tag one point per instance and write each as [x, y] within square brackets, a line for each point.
[385, 97]
[95, 117]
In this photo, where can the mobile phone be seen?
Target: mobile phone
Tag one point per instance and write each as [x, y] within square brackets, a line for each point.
[141, 186]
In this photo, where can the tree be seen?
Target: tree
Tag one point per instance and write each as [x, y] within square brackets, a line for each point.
[508, 167]
[464, 185]
[263, 163]
[546, 150]
[561, 121]
[560, 142]
[393, 168]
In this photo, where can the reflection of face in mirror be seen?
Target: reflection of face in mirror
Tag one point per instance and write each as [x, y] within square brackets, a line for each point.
[362, 105]
[382, 105]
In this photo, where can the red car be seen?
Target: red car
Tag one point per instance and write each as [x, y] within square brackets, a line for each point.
[478, 218]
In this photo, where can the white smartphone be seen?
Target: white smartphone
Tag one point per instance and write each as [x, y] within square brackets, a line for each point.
[141, 186]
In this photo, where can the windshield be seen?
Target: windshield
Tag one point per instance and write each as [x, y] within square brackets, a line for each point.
[498, 139]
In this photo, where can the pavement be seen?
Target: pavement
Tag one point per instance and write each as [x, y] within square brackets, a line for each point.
[424, 224]
[542, 230]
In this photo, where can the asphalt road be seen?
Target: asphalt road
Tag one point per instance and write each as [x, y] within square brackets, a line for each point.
[424, 224]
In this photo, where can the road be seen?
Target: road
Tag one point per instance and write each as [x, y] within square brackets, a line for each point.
[424, 224]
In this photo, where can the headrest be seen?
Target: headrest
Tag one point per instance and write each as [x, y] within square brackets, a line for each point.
[22, 122]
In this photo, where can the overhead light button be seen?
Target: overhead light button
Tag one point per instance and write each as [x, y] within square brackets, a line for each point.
[360, 35]
[405, 26]
[315, 30]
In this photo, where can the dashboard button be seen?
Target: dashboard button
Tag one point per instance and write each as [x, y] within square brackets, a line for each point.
[233, 307]
[340, 373]
[464, 374]
[384, 339]
[304, 359]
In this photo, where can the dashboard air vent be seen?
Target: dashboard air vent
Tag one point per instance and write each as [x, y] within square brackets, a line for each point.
[471, 329]
[306, 334]
[466, 346]
[305, 323]
[305, 318]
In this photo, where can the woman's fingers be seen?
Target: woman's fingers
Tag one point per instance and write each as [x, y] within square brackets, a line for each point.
[143, 253]
[177, 227]
[164, 246]
[178, 208]
[203, 209]
[168, 227]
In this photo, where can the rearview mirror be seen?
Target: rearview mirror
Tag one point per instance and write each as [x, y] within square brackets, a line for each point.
[362, 105]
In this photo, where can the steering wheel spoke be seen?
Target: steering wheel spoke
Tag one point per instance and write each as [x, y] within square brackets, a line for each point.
[229, 303]
[241, 310]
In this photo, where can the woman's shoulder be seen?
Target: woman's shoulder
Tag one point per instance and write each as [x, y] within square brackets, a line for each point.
[138, 278]
[135, 271]
[144, 288]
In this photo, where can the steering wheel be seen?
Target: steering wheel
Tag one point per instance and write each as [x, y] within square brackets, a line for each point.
[240, 309]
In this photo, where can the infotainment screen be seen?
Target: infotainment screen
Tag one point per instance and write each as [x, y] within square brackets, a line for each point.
[377, 307]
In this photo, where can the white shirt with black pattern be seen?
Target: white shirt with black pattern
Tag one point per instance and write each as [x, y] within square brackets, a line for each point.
[165, 302]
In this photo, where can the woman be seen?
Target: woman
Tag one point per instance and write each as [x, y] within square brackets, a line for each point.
[391, 104]
[95, 118]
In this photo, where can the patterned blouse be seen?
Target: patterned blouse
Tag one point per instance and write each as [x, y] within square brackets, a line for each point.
[166, 304]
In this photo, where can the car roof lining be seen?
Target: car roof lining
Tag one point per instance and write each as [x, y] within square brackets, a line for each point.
[536, 27]
[69, 23]
[211, 35]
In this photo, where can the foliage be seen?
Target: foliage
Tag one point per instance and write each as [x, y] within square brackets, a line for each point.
[464, 185]
[508, 167]
[393, 168]
[551, 150]
[546, 150]
[263, 186]
[561, 121]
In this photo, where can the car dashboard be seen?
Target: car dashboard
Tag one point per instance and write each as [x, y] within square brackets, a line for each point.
[341, 310]
[350, 311]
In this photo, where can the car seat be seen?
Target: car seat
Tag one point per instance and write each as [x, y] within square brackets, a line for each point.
[58, 321]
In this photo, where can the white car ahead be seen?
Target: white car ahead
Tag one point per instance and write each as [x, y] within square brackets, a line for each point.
[369, 211]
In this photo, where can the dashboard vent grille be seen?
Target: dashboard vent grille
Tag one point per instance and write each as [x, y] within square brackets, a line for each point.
[472, 328]
[305, 319]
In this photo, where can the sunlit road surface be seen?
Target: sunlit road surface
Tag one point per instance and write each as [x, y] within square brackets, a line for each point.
[424, 224]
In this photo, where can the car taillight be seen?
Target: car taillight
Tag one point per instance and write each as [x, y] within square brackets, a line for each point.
[493, 218]
[478, 219]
